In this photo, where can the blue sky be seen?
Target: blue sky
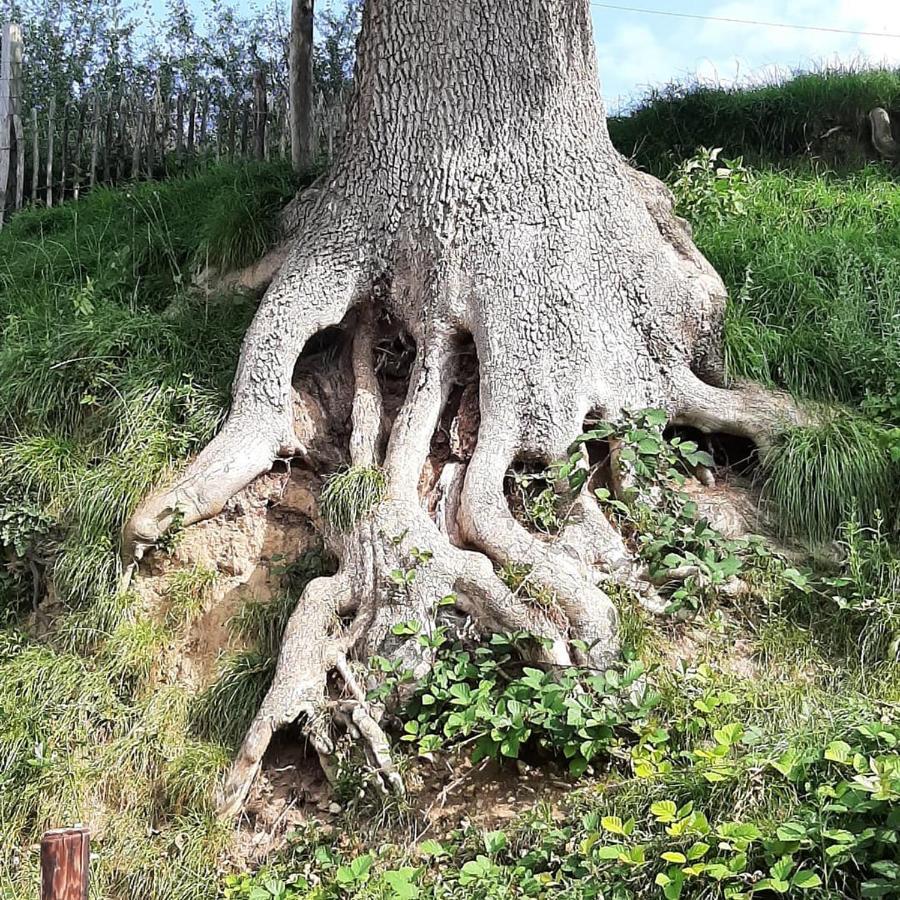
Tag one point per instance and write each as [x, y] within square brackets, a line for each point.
[639, 50]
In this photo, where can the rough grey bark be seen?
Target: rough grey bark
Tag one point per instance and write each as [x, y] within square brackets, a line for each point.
[477, 197]
[301, 83]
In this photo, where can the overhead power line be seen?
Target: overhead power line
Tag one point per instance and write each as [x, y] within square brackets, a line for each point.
[733, 21]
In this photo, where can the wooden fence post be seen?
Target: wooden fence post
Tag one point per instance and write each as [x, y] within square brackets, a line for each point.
[51, 115]
[95, 139]
[65, 861]
[11, 149]
[81, 109]
[261, 111]
[204, 115]
[64, 158]
[179, 127]
[136, 146]
[192, 120]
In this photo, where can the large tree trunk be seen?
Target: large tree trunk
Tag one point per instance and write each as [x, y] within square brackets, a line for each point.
[301, 83]
[477, 200]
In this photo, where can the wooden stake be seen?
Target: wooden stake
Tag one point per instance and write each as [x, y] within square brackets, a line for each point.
[179, 127]
[136, 146]
[192, 119]
[10, 91]
[245, 131]
[19, 134]
[95, 139]
[79, 140]
[261, 111]
[151, 144]
[64, 155]
[65, 863]
[232, 122]
[108, 138]
[51, 115]
[204, 115]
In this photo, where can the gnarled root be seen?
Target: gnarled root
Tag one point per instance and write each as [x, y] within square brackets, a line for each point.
[319, 282]
[555, 341]
[310, 649]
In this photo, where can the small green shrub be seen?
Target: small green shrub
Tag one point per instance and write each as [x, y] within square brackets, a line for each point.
[486, 697]
[709, 188]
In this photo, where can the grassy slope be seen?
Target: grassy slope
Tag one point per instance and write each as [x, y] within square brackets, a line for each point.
[112, 369]
[772, 124]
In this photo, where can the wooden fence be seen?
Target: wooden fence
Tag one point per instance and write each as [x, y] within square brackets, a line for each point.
[54, 153]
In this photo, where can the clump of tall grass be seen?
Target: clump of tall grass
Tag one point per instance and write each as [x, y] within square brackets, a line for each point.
[225, 709]
[351, 494]
[819, 476]
[246, 221]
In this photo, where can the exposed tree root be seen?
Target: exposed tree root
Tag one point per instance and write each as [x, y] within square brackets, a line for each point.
[570, 309]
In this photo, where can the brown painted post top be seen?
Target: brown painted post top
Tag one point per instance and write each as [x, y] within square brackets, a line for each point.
[65, 861]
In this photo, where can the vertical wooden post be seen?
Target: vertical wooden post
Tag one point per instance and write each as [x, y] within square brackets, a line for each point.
[79, 141]
[11, 149]
[65, 861]
[108, 138]
[261, 111]
[245, 131]
[204, 117]
[192, 120]
[19, 134]
[36, 155]
[121, 138]
[151, 143]
[285, 126]
[95, 139]
[162, 124]
[64, 155]
[51, 115]
[300, 83]
[136, 146]
[232, 124]
[179, 127]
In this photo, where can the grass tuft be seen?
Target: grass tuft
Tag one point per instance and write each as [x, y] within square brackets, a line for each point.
[350, 495]
[188, 591]
[225, 710]
[819, 476]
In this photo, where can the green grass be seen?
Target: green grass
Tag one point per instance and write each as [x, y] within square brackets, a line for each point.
[350, 494]
[113, 369]
[224, 712]
[813, 271]
[820, 476]
[772, 123]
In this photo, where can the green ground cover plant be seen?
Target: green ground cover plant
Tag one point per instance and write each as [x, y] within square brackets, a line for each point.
[691, 776]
